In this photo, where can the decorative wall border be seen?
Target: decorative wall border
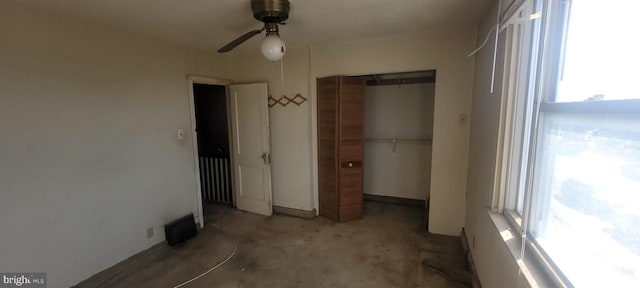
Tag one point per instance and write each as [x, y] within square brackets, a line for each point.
[284, 100]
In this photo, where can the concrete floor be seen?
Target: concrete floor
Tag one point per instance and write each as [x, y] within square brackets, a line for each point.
[389, 247]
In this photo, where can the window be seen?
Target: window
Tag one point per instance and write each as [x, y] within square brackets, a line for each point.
[571, 159]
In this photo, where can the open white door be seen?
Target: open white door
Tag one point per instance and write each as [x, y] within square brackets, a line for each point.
[250, 130]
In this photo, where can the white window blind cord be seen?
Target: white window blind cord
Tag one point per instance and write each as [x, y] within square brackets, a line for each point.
[498, 27]
[282, 74]
[484, 43]
[495, 48]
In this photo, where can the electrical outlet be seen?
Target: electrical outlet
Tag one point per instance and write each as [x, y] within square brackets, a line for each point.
[149, 232]
[473, 242]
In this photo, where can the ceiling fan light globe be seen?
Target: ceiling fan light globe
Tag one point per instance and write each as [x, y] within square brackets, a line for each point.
[273, 47]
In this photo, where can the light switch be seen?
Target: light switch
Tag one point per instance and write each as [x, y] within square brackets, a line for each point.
[462, 119]
[180, 134]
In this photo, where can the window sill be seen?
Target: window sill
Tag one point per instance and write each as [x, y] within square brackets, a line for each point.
[530, 270]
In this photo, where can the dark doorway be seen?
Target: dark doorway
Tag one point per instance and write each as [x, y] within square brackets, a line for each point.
[212, 128]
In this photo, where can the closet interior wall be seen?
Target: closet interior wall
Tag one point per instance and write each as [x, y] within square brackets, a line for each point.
[398, 133]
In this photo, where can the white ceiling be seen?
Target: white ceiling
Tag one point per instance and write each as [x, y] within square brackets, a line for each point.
[210, 24]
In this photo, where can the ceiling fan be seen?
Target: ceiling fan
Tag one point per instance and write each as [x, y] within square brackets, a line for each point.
[272, 13]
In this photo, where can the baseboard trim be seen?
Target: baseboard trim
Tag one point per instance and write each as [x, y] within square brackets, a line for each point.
[100, 278]
[294, 212]
[467, 251]
[394, 200]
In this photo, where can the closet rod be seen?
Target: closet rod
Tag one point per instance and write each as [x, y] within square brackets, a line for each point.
[397, 140]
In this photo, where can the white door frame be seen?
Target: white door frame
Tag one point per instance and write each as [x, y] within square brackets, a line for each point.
[194, 79]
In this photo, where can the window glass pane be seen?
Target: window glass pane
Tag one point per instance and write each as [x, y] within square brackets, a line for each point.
[586, 199]
[602, 53]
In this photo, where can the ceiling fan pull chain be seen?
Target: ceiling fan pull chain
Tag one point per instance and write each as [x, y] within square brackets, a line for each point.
[282, 74]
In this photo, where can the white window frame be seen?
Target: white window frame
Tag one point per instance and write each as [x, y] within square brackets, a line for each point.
[534, 77]
[526, 79]
[517, 111]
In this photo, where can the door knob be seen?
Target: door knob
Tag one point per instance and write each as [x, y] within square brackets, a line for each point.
[266, 158]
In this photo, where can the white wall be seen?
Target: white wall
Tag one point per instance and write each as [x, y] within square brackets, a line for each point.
[495, 264]
[293, 129]
[88, 119]
[398, 112]
[290, 131]
[444, 50]
[89, 157]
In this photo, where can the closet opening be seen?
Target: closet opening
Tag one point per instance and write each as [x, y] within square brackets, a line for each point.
[374, 142]
[399, 109]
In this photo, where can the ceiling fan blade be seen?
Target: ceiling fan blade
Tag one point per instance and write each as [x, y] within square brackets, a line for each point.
[239, 41]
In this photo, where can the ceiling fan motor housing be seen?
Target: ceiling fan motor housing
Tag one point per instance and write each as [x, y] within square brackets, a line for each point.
[270, 11]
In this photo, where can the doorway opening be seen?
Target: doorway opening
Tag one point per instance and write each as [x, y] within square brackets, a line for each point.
[399, 109]
[212, 133]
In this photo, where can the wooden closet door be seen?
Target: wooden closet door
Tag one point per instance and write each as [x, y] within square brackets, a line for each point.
[328, 113]
[340, 147]
[351, 125]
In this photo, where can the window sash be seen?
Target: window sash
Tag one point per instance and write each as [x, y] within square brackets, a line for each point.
[521, 65]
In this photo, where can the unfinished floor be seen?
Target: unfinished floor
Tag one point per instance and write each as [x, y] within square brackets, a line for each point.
[389, 247]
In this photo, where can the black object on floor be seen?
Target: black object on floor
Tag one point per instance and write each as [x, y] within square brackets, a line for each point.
[180, 230]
